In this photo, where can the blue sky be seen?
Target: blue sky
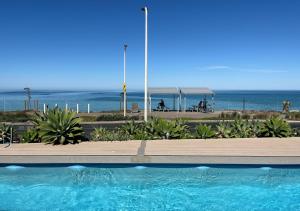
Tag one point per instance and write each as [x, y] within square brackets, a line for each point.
[77, 44]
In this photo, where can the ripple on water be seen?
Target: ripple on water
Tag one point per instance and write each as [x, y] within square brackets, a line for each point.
[77, 167]
[14, 167]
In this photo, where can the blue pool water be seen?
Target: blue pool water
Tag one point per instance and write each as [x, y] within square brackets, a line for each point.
[149, 188]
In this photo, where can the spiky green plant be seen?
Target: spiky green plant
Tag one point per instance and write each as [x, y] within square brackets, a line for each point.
[275, 127]
[241, 129]
[5, 133]
[223, 130]
[131, 127]
[59, 126]
[167, 129]
[30, 136]
[204, 131]
[102, 134]
[296, 132]
[99, 134]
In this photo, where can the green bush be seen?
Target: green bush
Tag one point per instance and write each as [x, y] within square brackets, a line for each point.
[275, 127]
[30, 136]
[223, 130]
[102, 134]
[205, 132]
[115, 117]
[156, 129]
[88, 118]
[296, 132]
[5, 133]
[58, 126]
[241, 129]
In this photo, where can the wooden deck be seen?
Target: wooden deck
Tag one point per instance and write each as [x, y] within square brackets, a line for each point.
[215, 151]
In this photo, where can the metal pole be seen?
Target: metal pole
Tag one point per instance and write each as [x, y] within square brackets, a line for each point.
[44, 108]
[3, 104]
[124, 83]
[77, 108]
[66, 106]
[145, 9]
[88, 108]
[11, 135]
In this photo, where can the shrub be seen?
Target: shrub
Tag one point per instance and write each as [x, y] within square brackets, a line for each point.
[88, 118]
[5, 133]
[223, 130]
[241, 129]
[275, 127]
[58, 126]
[156, 129]
[296, 132]
[204, 132]
[167, 129]
[115, 117]
[102, 134]
[30, 136]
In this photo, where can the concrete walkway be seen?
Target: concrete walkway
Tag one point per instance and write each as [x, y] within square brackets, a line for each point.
[214, 151]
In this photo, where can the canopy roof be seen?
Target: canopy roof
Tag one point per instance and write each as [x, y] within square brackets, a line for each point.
[183, 90]
[163, 90]
[196, 91]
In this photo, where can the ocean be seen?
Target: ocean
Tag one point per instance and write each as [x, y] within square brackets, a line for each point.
[110, 100]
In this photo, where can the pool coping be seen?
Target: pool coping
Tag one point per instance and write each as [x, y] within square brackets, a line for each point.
[271, 151]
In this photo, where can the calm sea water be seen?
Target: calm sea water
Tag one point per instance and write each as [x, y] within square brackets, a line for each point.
[151, 188]
[110, 100]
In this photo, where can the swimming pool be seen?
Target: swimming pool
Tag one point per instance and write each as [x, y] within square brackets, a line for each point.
[149, 188]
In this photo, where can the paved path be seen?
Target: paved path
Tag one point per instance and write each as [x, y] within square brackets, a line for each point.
[215, 151]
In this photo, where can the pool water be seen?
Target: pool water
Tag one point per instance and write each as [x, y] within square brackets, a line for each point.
[149, 188]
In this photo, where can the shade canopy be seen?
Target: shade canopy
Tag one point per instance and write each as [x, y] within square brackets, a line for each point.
[196, 91]
[163, 90]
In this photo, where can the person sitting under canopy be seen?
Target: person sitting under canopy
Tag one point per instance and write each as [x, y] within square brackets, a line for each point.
[161, 105]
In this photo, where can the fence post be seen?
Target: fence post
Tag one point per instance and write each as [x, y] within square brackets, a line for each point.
[11, 135]
[77, 108]
[44, 108]
[66, 106]
[3, 104]
[88, 108]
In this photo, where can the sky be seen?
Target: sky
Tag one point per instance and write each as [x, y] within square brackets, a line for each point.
[78, 44]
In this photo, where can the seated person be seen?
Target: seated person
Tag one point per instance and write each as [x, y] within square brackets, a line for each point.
[200, 106]
[161, 105]
[205, 105]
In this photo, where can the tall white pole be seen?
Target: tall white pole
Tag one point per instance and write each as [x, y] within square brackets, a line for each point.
[145, 9]
[124, 82]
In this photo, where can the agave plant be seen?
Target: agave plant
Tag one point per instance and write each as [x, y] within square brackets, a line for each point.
[241, 129]
[5, 133]
[167, 129]
[58, 126]
[99, 134]
[102, 134]
[131, 128]
[275, 127]
[296, 132]
[30, 136]
[205, 131]
[223, 130]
